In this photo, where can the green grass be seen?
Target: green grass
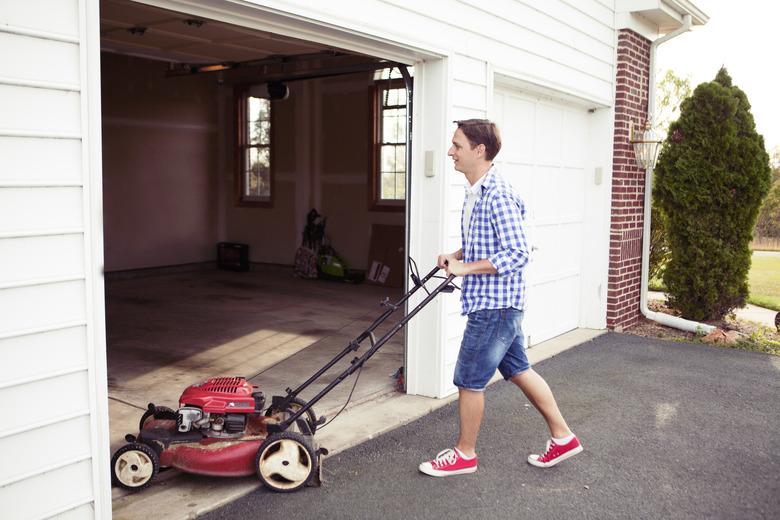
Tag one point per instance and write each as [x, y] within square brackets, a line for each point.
[763, 280]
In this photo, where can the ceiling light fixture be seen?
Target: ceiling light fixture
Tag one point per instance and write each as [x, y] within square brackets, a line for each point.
[214, 67]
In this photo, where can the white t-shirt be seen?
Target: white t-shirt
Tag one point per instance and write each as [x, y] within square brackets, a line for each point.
[473, 193]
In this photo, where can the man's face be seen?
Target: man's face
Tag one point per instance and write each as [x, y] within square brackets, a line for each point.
[464, 157]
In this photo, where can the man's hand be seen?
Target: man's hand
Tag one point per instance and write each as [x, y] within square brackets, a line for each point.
[457, 268]
[445, 258]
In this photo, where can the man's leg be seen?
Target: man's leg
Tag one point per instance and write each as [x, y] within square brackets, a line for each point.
[538, 392]
[471, 405]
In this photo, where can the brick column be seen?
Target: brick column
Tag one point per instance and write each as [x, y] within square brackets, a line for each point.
[628, 182]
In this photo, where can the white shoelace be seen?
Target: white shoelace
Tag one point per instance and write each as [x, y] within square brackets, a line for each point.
[547, 449]
[445, 457]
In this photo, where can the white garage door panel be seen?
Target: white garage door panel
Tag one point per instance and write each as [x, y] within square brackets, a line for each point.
[571, 189]
[544, 157]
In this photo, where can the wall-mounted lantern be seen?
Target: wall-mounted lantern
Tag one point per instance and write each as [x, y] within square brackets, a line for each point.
[646, 144]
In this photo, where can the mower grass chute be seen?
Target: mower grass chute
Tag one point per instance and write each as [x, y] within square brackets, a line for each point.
[224, 428]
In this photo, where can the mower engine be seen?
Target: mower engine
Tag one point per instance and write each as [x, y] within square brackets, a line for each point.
[218, 407]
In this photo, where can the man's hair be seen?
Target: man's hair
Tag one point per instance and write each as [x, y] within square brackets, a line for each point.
[482, 131]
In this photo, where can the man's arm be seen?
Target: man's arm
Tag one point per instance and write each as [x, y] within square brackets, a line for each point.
[507, 220]
[459, 268]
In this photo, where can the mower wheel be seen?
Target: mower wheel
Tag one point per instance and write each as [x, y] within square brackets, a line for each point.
[286, 462]
[295, 405]
[134, 465]
[159, 412]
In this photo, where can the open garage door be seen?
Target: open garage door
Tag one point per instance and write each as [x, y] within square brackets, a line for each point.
[544, 156]
[216, 133]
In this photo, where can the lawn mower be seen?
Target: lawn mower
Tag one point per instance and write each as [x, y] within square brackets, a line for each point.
[223, 427]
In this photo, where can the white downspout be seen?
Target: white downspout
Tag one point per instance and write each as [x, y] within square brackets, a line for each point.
[664, 319]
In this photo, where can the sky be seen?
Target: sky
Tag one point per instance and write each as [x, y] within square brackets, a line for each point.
[745, 37]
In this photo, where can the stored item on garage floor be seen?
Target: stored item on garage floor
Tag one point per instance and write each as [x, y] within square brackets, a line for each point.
[316, 258]
[222, 426]
[386, 256]
[233, 256]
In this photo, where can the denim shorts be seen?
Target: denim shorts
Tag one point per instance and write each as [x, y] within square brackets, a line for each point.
[493, 339]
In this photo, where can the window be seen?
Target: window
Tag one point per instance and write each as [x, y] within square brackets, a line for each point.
[388, 176]
[255, 174]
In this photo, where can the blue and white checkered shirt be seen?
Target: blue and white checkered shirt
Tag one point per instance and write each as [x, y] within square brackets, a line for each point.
[495, 233]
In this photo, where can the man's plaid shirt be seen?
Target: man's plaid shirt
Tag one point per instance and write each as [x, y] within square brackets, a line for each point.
[496, 233]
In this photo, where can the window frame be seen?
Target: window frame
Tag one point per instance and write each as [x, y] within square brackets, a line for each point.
[375, 203]
[241, 96]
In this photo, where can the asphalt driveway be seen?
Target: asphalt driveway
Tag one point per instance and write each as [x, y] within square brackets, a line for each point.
[670, 430]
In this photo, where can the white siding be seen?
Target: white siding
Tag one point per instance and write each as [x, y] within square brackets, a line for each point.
[566, 45]
[52, 347]
[19, 166]
[59, 61]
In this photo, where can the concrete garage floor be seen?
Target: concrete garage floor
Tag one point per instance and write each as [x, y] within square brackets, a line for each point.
[166, 332]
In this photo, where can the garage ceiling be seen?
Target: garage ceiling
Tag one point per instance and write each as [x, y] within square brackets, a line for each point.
[128, 27]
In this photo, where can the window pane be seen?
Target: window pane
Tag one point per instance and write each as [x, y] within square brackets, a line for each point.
[401, 96]
[390, 97]
[400, 158]
[260, 132]
[393, 172]
[259, 109]
[388, 159]
[394, 97]
[258, 174]
[390, 127]
[400, 186]
[400, 123]
[388, 186]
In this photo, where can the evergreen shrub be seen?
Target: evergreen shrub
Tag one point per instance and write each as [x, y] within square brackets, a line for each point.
[710, 180]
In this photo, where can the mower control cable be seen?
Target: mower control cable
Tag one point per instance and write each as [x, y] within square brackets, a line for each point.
[349, 397]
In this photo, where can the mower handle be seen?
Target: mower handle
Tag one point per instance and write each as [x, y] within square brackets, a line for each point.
[354, 345]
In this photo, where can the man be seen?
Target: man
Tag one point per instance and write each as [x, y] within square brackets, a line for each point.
[491, 261]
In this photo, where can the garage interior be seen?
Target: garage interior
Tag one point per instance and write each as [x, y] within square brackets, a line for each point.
[195, 154]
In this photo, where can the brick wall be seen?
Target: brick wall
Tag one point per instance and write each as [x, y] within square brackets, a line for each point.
[628, 181]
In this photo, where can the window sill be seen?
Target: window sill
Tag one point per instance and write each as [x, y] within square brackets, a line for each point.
[387, 206]
[254, 204]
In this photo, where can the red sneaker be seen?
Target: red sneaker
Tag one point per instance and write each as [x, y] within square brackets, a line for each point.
[449, 462]
[555, 453]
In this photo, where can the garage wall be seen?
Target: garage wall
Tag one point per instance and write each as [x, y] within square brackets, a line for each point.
[345, 152]
[321, 142]
[52, 343]
[159, 164]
